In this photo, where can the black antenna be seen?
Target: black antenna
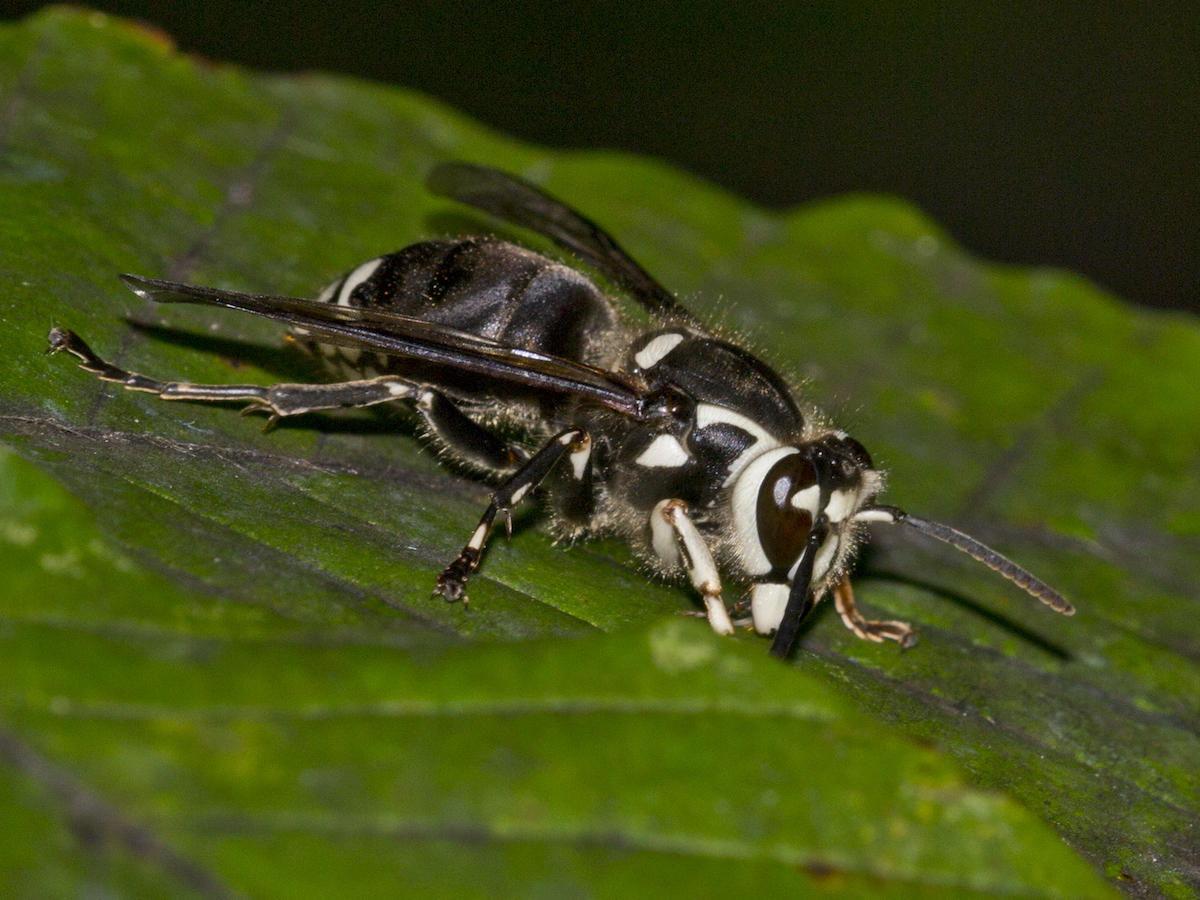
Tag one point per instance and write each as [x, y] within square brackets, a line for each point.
[997, 562]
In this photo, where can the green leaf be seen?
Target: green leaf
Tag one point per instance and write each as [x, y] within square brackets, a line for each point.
[221, 669]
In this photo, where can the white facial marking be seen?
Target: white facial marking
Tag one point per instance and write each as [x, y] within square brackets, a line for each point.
[825, 557]
[745, 509]
[795, 567]
[807, 499]
[664, 452]
[767, 604]
[841, 504]
[650, 355]
[355, 278]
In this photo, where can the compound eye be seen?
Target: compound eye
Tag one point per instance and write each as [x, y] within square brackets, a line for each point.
[858, 453]
[787, 506]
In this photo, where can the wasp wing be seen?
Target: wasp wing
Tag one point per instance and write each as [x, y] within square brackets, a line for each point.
[400, 335]
[515, 200]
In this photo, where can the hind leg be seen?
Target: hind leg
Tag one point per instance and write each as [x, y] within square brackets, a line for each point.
[277, 400]
[462, 437]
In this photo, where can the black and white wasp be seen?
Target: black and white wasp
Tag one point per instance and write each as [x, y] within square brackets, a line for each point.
[681, 443]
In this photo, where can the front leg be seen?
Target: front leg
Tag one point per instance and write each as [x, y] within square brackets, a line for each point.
[900, 632]
[453, 580]
[678, 542]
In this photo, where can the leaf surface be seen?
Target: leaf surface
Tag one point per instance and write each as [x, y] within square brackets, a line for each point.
[221, 669]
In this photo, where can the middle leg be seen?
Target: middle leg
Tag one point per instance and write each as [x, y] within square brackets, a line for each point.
[573, 442]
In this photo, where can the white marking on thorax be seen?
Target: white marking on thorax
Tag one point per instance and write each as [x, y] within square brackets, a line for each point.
[767, 605]
[711, 414]
[664, 452]
[327, 294]
[745, 509]
[355, 278]
[650, 355]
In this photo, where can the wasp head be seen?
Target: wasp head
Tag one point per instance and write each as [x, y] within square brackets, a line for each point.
[794, 511]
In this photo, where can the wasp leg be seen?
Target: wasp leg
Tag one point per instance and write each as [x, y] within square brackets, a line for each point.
[678, 542]
[463, 438]
[277, 401]
[575, 493]
[900, 632]
[451, 582]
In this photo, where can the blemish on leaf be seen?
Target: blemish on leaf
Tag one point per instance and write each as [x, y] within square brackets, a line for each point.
[65, 563]
[20, 533]
[677, 648]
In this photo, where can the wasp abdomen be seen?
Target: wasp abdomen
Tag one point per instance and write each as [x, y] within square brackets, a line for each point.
[490, 288]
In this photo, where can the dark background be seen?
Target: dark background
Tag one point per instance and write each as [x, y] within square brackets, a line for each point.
[1066, 136]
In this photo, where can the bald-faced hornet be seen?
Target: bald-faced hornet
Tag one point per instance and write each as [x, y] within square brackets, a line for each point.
[521, 370]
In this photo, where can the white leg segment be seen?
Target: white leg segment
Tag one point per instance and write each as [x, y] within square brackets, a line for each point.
[581, 457]
[678, 542]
